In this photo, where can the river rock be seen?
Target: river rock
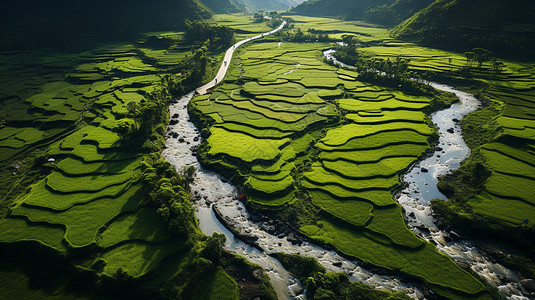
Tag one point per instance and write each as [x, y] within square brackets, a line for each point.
[257, 274]
[450, 130]
[423, 229]
[337, 264]
[196, 139]
[291, 238]
[181, 140]
[175, 116]
[424, 170]
[425, 291]
[455, 236]
[173, 122]
[528, 284]
[439, 148]
[174, 135]
[455, 120]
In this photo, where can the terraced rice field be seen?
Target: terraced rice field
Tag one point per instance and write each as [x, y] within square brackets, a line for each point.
[337, 28]
[284, 123]
[243, 24]
[93, 198]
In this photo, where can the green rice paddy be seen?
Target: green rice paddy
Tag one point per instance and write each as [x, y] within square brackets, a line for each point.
[289, 127]
[91, 200]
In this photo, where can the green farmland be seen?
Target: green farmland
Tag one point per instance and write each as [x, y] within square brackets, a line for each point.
[96, 194]
[315, 151]
[297, 126]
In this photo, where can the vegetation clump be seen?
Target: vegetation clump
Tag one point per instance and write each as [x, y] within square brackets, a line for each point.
[323, 284]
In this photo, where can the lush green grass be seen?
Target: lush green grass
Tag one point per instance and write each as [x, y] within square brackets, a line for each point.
[386, 116]
[383, 168]
[505, 210]
[321, 176]
[19, 230]
[390, 222]
[82, 223]
[241, 22]
[269, 187]
[373, 155]
[144, 225]
[353, 136]
[73, 166]
[138, 259]
[42, 196]
[247, 149]
[218, 285]
[354, 212]
[363, 31]
[103, 137]
[65, 184]
[379, 197]
[90, 153]
[425, 263]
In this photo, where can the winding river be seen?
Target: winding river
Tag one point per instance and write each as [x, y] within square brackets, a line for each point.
[213, 194]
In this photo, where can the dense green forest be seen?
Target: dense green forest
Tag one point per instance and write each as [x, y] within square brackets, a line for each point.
[249, 6]
[339, 8]
[65, 24]
[222, 6]
[507, 27]
[396, 12]
[385, 12]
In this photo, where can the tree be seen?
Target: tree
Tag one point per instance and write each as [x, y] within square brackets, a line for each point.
[469, 58]
[497, 66]
[212, 250]
[350, 42]
[481, 55]
[188, 176]
[259, 17]
[125, 127]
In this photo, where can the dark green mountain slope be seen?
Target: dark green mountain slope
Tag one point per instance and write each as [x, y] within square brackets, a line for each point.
[395, 13]
[60, 23]
[222, 6]
[349, 9]
[265, 5]
[503, 26]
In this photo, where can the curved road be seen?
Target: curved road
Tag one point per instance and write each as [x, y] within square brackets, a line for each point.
[228, 56]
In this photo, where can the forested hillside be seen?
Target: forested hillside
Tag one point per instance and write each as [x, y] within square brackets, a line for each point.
[61, 23]
[500, 25]
[222, 6]
[395, 13]
[265, 5]
[348, 9]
